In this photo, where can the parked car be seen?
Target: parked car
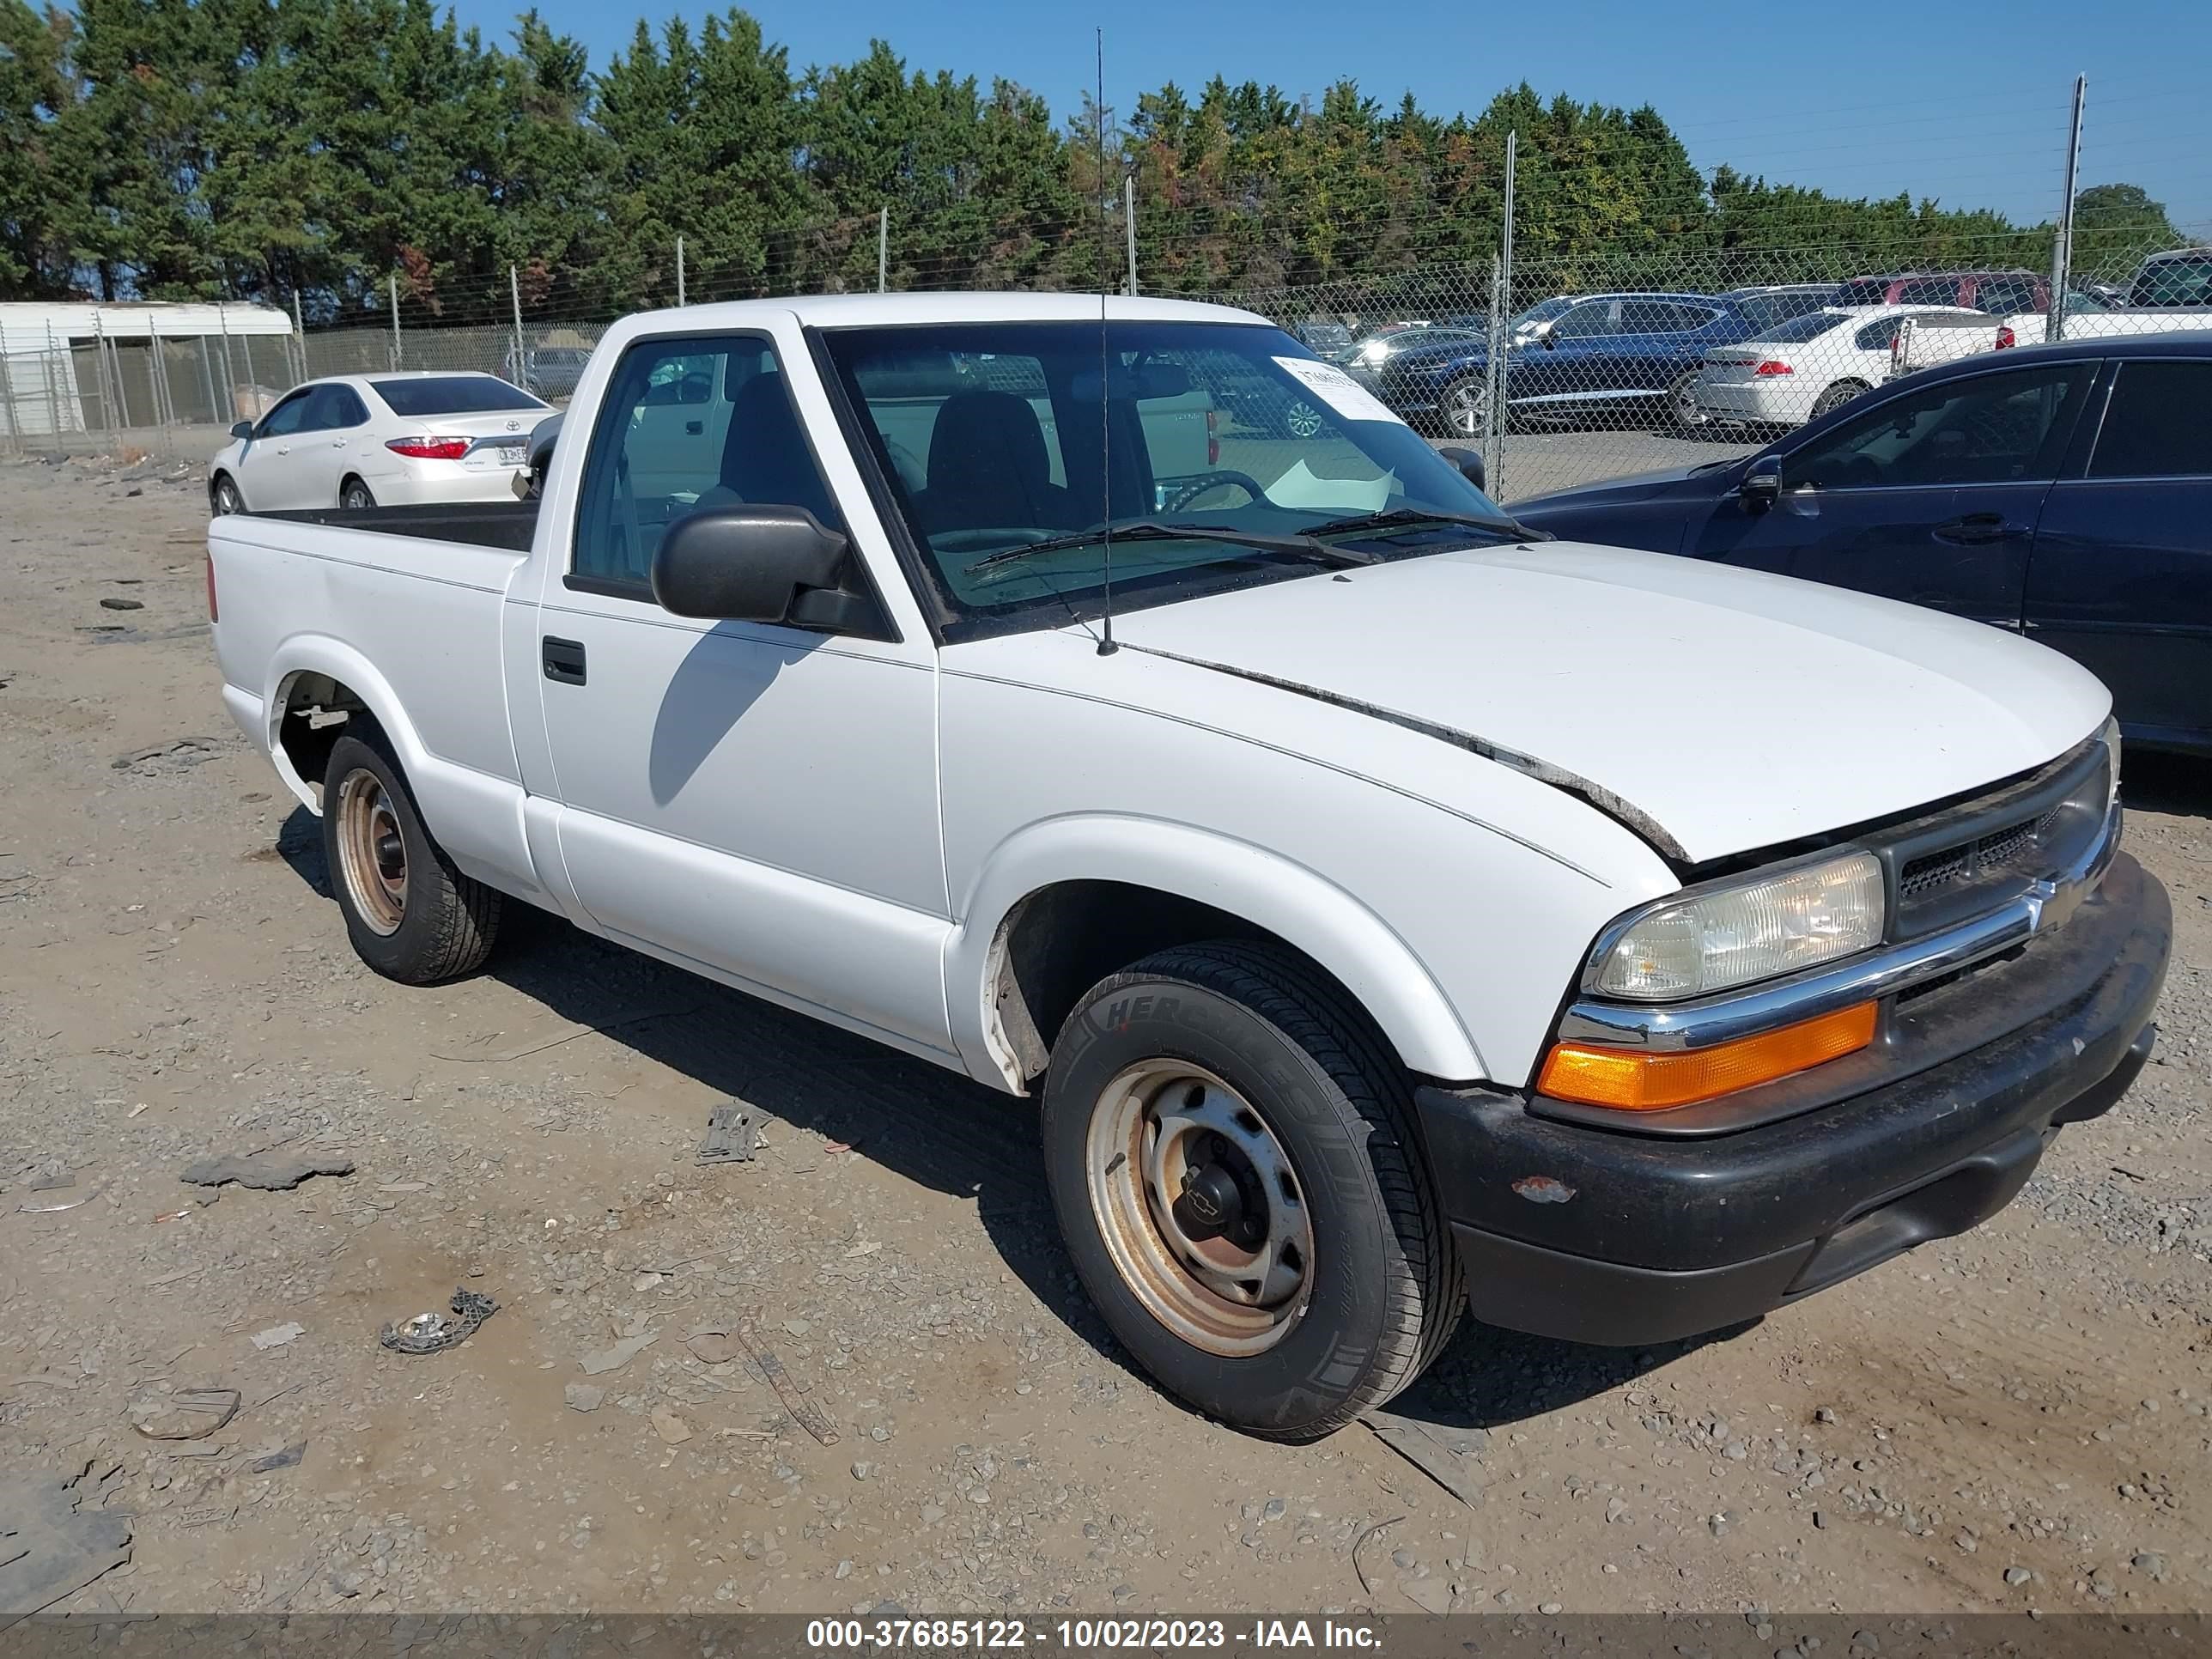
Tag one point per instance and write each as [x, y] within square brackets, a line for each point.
[1777, 302]
[1607, 354]
[361, 440]
[2000, 293]
[1332, 342]
[2064, 491]
[1814, 362]
[1385, 918]
[547, 371]
[1376, 349]
[2181, 277]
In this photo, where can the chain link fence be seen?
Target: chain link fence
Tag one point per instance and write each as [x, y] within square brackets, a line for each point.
[1563, 371]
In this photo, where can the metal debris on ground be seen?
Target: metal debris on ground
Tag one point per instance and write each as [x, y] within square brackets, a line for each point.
[278, 1336]
[435, 1333]
[56, 1209]
[732, 1136]
[181, 752]
[186, 1414]
[288, 1457]
[804, 1412]
[1359, 1570]
[1447, 1456]
[49, 1548]
[263, 1172]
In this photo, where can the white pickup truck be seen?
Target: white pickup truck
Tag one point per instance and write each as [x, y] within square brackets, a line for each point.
[1398, 914]
[1925, 340]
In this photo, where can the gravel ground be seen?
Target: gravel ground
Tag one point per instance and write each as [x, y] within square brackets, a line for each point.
[2013, 1420]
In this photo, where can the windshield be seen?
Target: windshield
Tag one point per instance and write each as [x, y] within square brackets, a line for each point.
[992, 437]
[451, 394]
[1810, 326]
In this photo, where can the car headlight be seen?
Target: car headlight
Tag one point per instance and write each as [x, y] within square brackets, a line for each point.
[2112, 737]
[1743, 932]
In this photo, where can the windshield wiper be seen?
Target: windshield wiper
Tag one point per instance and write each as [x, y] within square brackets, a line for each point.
[1152, 529]
[1398, 517]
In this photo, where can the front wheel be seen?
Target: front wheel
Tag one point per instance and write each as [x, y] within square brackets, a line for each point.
[411, 915]
[224, 497]
[1464, 410]
[1230, 1152]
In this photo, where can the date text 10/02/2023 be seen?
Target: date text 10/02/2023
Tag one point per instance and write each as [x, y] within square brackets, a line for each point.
[1086, 1635]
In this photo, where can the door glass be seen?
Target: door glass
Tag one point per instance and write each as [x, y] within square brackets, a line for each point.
[689, 426]
[2159, 424]
[1594, 317]
[289, 417]
[1989, 430]
[1928, 291]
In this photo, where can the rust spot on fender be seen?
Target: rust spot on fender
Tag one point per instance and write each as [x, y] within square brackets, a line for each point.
[1542, 1189]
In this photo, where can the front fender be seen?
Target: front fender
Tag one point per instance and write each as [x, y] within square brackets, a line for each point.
[1287, 899]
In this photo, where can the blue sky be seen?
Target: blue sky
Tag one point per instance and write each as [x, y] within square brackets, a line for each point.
[1967, 104]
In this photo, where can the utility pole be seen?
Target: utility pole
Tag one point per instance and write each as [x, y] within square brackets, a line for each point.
[883, 250]
[1129, 224]
[2062, 252]
[393, 284]
[522, 362]
[679, 272]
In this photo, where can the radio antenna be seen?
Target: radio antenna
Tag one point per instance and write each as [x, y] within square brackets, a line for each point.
[1106, 646]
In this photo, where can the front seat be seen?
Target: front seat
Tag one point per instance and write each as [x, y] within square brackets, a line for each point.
[765, 459]
[988, 468]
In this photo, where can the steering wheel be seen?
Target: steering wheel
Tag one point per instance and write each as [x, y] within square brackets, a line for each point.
[1206, 482]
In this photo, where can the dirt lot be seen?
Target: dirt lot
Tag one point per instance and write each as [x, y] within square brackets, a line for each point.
[2014, 1419]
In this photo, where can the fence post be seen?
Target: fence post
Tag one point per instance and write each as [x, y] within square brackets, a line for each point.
[157, 374]
[398, 355]
[229, 387]
[522, 362]
[679, 272]
[1501, 347]
[122, 391]
[299, 334]
[8, 399]
[2061, 250]
[883, 249]
[1129, 223]
[207, 376]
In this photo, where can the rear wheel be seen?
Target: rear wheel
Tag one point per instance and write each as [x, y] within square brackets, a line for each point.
[1683, 408]
[410, 915]
[1835, 397]
[1230, 1149]
[354, 494]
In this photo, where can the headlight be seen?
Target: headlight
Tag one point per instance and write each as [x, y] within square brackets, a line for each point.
[2112, 737]
[1754, 930]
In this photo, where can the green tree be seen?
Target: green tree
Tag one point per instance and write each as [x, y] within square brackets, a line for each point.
[2115, 227]
[35, 258]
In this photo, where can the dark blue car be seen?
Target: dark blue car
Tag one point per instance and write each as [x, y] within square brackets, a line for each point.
[2062, 491]
[1606, 359]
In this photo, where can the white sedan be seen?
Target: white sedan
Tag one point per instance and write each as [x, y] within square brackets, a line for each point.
[356, 441]
[1801, 368]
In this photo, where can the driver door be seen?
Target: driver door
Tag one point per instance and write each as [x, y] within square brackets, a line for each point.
[271, 468]
[1930, 497]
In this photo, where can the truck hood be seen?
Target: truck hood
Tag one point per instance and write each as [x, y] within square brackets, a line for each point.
[1715, 711]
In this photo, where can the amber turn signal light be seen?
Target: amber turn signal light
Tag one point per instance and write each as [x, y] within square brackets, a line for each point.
[1641, 1080]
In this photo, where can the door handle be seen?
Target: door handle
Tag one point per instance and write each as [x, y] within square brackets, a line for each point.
[563, 660]
[337, 443]
[1978, 529]
[695, 428]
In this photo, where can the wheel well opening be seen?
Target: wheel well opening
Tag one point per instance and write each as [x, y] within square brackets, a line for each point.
[1061, 940]
[317, 710]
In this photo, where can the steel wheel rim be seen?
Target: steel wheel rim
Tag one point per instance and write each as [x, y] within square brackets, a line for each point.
[1159, 1127]
[1686, 405]
[1464, 409]
[372, 853]
[1303, 419]
[357, 496]
[227, 499]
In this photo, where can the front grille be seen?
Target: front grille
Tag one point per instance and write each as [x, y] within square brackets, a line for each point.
[1994, 849]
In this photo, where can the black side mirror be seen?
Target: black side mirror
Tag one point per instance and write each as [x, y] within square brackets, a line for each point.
[1762, 483]
[767, 564]
[241, 428]
[1548, 336]
[1469, 463]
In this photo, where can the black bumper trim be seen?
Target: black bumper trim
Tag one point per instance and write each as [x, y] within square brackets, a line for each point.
[1634, 1240]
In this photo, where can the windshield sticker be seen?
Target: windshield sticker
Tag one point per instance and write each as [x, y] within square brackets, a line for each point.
[1301, 487]
[1337, 389]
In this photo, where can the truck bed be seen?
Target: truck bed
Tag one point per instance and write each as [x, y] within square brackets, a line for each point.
[505, 526]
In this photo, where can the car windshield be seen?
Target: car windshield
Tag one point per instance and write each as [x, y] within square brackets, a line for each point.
[999, 436]
[451, 394]
[1810, 326]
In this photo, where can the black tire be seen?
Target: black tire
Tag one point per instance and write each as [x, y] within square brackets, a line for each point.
[1682, 410]
[355, 495]
[1384, 1288]
[223, 498]
[443, 923]
[1835, 397]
